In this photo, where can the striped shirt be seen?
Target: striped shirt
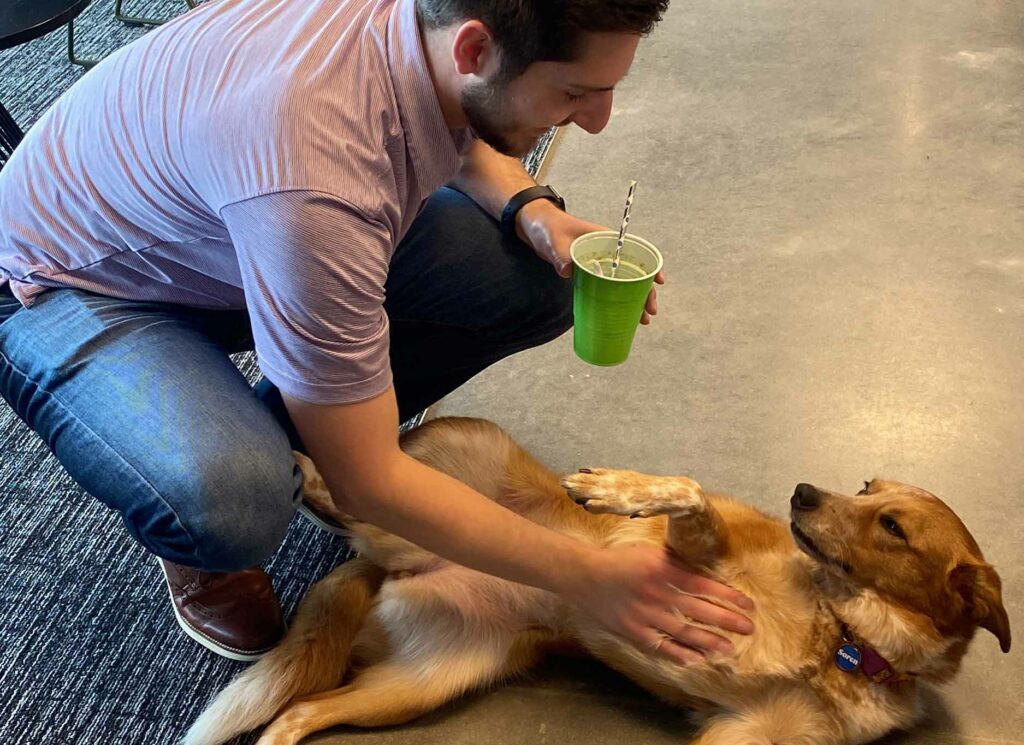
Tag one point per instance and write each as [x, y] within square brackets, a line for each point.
[266, 154]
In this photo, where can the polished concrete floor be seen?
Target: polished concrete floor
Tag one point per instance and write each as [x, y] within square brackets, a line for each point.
[838, 188]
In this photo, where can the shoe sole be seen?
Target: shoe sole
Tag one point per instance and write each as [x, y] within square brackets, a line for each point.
[198, 636]
[314, 518]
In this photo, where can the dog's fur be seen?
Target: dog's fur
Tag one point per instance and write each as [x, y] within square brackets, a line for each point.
[405, 631]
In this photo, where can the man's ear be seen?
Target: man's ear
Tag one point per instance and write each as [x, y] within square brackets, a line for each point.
[474, 51]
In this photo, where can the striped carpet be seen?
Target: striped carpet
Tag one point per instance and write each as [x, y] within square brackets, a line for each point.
[90, 652]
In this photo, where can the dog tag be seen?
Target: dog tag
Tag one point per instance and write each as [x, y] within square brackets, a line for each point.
[848, 657]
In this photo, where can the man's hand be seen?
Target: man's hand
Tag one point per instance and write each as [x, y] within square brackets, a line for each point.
[550, 231]
[639, 592]
[642, 593]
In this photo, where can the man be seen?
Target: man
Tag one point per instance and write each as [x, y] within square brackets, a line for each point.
[268, 173]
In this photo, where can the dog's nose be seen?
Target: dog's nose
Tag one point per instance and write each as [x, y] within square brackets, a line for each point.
[805, 498]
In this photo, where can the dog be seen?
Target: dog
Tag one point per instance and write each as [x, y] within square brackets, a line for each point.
[858, 599]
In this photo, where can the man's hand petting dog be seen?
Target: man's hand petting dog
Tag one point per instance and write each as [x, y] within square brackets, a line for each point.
[551, 232]
[642, 593]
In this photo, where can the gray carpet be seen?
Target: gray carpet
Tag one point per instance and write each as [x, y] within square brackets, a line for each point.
[89, 648]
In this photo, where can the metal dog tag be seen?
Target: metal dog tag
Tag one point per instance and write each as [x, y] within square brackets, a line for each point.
[848, 657]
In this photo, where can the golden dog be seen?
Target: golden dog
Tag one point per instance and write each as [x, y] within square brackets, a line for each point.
[890, 577]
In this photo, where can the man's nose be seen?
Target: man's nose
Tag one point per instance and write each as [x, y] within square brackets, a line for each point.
[594, 116]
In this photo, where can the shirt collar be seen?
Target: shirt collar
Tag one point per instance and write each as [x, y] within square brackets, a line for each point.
[434, 149]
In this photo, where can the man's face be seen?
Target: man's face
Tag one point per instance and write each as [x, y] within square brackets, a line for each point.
[511, 116]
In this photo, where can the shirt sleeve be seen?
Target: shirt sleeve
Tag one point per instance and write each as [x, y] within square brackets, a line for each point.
[313, 270]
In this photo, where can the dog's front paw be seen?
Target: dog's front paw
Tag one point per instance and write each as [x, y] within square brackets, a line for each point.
[633, 494]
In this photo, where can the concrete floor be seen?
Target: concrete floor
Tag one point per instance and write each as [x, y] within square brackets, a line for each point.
[838, 188]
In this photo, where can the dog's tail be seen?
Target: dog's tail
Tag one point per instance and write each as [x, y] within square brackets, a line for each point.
[312, 657]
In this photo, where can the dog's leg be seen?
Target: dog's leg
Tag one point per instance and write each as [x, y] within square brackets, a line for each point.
[313, 656]
[786, 719]
[695, 528]
[400, 689]
[381, 696]
[314, 490]
[730, 730]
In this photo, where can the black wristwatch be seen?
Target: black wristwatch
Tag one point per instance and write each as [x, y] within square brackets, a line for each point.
[516, 203]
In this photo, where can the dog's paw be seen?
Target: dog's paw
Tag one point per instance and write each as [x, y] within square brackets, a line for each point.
[314, 489]
[633, 494]
[271, 737]
[312, 481]
[283, 730]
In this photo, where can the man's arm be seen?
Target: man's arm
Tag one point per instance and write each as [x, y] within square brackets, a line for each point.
[634, 590]
[490, 179]
[356, 450]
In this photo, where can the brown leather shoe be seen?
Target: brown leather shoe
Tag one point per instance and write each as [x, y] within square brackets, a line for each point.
[234, 614]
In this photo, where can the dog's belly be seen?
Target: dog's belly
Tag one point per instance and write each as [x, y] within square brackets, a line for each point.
[434, 609]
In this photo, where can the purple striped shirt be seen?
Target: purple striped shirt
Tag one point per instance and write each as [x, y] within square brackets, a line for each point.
[266, 154]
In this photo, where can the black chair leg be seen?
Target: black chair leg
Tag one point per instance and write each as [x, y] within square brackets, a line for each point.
[121, 16]
[75, 60]
[141, 20]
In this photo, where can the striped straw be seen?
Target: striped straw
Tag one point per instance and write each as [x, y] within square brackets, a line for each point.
[625, 224]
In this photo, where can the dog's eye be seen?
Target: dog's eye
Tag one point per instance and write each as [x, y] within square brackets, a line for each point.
[862, 492]
[892, 526]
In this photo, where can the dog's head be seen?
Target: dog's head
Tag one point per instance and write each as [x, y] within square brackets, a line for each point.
[909, 548]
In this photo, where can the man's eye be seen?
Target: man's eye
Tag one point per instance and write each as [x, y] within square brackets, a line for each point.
[575, 97]
[892, 526]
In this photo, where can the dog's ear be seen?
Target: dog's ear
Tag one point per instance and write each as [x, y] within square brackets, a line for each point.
[982, 593]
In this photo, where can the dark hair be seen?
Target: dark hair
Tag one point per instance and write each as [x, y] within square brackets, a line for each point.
[529, 31]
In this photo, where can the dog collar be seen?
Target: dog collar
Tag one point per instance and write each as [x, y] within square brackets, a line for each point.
[852, 655]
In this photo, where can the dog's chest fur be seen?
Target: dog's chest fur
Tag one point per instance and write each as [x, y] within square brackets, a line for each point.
[790, 654]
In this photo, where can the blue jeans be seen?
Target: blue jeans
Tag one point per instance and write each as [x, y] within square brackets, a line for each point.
[145, 410]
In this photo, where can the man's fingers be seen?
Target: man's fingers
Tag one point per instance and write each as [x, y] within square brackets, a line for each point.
[562, 266]
[650, 308]
[707, 613]
[652, 302]
[660, 278]
[666, 646]
[695, 637]
[695, 584]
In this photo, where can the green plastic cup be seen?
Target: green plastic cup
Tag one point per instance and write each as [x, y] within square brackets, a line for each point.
[607, 310]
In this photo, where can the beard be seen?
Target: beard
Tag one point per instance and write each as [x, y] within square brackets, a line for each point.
[488, 112]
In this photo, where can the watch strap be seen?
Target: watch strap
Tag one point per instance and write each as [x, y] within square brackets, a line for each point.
[520, 200]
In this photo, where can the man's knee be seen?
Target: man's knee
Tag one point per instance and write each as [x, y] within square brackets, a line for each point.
[233, 513]
[539, 308]
[519, 298]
